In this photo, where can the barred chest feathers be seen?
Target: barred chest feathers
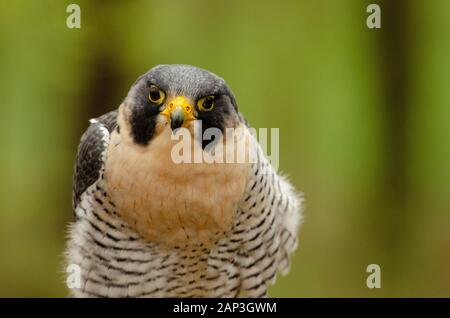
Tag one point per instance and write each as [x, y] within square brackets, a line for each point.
[117, 262]
[173, 204]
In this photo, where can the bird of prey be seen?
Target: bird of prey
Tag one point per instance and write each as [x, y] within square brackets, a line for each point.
[148, 226]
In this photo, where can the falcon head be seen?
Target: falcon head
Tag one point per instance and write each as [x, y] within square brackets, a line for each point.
[176, 96]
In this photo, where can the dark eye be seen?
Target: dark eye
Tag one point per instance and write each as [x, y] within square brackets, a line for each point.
[206, 103]
[156, 95]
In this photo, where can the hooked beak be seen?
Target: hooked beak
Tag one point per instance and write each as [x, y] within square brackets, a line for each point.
[178, 111]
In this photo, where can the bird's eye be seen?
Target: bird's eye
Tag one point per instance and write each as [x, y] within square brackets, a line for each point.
[206, 103]
[156, 95]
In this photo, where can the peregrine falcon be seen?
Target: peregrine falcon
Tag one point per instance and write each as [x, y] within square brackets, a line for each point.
[148, 226]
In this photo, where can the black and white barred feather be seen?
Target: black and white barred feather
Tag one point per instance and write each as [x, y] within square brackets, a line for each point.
[116, 262]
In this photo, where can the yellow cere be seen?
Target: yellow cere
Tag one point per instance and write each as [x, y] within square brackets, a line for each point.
[179, 101]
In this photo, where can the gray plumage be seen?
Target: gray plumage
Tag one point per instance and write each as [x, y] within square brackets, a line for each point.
[89, 157]
[117, 261]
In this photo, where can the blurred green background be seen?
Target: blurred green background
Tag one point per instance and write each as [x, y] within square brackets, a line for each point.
[364, 119]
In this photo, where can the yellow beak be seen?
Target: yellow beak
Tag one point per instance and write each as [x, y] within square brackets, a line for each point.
[178, 110]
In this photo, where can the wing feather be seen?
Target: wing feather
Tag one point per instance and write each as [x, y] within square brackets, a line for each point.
[91, 154]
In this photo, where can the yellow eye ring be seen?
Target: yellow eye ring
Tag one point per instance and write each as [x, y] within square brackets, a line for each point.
[156, 95]
[206, 104]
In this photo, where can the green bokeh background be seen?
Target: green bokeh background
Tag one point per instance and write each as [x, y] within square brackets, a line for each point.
[364, 118]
